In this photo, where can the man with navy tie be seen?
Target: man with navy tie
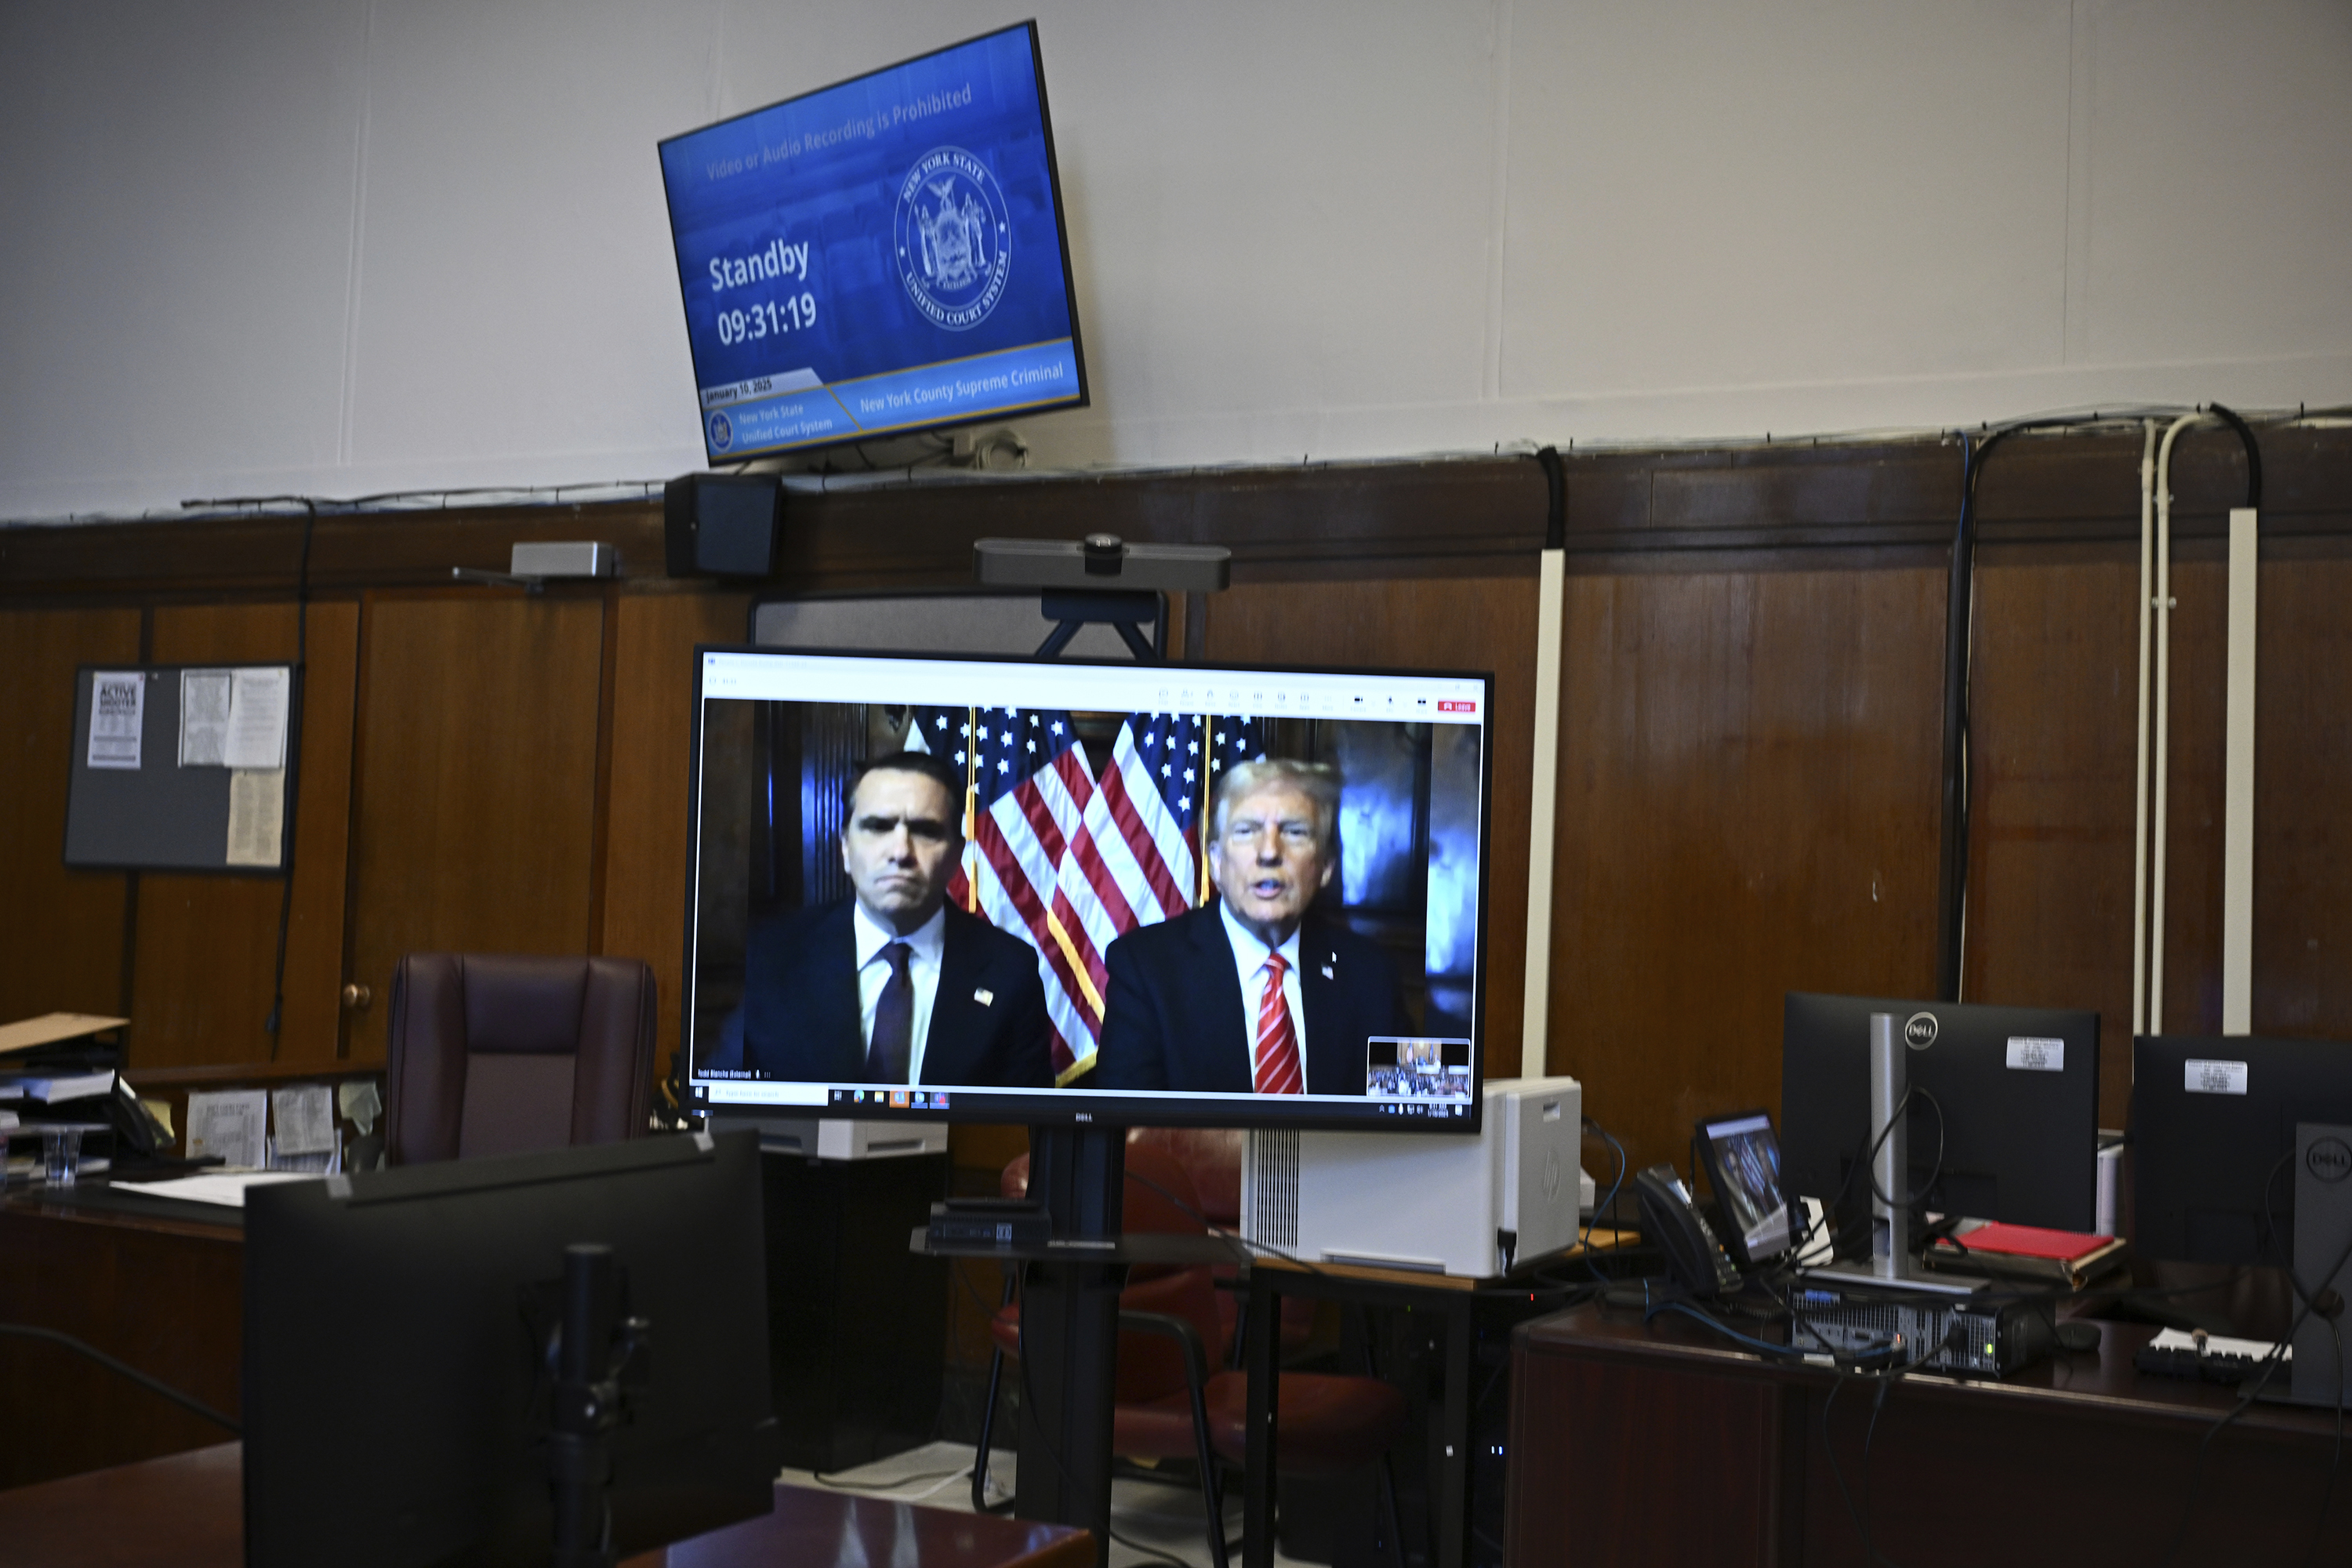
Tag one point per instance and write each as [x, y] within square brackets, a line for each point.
[894, 984]
[1254, 993]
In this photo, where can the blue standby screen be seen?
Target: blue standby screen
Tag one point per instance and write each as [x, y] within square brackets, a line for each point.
[884, 255]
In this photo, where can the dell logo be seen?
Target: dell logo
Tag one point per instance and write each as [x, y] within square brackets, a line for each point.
[2330, 1159]
[1919, 1031]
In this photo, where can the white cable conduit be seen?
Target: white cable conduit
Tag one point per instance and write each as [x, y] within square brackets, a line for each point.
[2139, 735]
[2237, 783]
[1542, 815]
[2163, 606]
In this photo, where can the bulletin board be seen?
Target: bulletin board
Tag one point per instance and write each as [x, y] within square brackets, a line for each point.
[159, 787]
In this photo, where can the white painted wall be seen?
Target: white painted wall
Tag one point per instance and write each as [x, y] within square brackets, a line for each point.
[352, 245]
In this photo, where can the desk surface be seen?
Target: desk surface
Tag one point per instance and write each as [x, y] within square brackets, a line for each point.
[185, 1511]
[1186, 1250]
[2101, 1383]
[103, 1201]
[162, 1291]
[1618, 1426]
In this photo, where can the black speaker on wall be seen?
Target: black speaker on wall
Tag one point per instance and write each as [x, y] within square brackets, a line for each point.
[722, 525]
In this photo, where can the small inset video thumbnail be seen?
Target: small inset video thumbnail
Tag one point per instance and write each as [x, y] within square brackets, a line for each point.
[1416, 1068]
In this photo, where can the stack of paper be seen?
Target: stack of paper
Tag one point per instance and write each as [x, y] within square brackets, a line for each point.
[50, 1089]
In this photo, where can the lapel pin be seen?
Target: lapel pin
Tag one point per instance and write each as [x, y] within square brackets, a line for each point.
[987, 998]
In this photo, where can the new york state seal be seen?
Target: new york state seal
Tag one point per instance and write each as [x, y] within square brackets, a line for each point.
[953, 239]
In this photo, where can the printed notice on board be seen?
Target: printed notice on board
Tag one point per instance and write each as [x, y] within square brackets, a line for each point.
[204, 717]
[118, 704]
[257, 718]
[256, 815]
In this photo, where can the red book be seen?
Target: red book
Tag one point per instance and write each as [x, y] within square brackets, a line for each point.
[2026, 1241]
[2062, 1256]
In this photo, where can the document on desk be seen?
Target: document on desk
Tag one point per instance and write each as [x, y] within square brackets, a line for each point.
[232, 1123]
[228, 1191]
[360, 1102]
[306, 1118]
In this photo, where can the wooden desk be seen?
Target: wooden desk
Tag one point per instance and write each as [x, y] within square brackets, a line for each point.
[186, 1511]
[1668, 1445]
[164, 1294]
[1451, 1296]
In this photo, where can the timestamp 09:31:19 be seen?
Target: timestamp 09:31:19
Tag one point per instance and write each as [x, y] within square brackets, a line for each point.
[770, 318]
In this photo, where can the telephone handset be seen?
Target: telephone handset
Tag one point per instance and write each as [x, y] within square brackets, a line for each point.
[1696, 1258]
[133, 1124]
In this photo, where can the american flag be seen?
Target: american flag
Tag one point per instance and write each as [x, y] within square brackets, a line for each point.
[1067, 862]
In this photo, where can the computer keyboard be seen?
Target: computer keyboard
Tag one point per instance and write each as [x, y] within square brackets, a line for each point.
[2213, 1358]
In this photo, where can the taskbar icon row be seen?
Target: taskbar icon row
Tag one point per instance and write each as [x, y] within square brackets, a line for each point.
[1425, 1108]
[892, 1099]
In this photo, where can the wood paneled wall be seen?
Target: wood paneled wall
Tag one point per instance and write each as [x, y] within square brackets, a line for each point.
[1752, 688]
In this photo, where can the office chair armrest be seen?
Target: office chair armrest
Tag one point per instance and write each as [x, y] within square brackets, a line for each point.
[1170, 1326]
[1196, 1378]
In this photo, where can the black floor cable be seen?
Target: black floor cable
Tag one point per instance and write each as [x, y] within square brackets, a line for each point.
[292, 818]
[123, 1369]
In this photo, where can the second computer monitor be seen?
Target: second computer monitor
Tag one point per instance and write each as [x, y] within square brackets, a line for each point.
[2018, 1088]
[2212, 1140]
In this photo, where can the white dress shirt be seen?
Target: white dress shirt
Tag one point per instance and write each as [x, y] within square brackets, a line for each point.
[1249, 957]
[929, 942]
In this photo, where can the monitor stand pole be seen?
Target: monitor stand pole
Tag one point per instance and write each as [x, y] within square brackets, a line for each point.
[595, 1359]
[1069, 1330]
[1069, 1309]
[1891, 1264]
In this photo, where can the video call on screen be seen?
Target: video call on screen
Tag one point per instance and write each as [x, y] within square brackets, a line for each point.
[1081, 832]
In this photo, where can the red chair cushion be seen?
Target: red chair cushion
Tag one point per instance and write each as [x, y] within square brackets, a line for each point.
[1326, 1422]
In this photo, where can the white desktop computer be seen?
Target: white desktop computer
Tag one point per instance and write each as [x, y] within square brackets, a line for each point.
[1465, 1205]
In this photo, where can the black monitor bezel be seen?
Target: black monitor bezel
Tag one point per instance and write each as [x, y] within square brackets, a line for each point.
[2063, 1196]
[1083, 398]
[355, 1277]
[1093, 1106]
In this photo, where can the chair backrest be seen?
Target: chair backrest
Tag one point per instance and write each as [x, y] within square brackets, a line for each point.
[498, 1054]
[1211, 1156]
[1163, 1202]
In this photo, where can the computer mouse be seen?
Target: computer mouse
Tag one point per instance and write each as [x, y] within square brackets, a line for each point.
[2077, 1336]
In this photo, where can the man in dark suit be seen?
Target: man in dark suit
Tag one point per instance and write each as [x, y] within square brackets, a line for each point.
[1254, 994]
[893, 985]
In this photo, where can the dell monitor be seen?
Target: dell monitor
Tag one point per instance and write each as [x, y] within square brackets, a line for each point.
[401, 1361]
[882, 256]
[2017, 1089]
[2212, 1139]
[1092, 868]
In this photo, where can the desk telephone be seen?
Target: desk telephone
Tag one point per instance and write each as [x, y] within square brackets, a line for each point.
[1696, 1258]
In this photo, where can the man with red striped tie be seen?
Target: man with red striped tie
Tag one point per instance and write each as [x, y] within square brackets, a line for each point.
[1253, 993]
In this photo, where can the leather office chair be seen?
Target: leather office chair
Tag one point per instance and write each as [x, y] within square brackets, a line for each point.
[498, 1054]
[1170, 1404]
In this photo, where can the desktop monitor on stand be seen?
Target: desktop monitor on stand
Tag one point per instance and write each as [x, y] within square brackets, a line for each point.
[1087, 977]
[2003, 1124]
[412, 1395]
[2212, 1142]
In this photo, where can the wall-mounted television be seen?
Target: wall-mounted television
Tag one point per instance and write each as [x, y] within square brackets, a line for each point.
[883, 255]
[1093, 868]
